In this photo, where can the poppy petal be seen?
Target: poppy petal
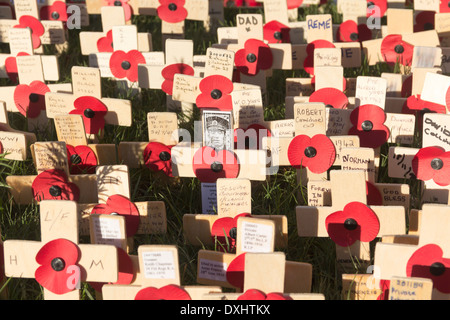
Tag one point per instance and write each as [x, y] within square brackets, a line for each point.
[331, 97]
[235, 271]
[169, 292]
[157, 157]
[210, 165]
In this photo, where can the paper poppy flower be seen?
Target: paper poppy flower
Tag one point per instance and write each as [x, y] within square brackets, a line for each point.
[316, 153]
[125, 64]
[380, 4]
[53, 185]
[355, 222]
[172, 11]
[93, 112]
[215, 93]
[374, 197]
[308, 63]
[224, 232]
[424, 21]
[255, 56]
[30, 99]
[210, 164]
[81, 159]
[428, 262]
[293, 4]
[169, 292]
[55, 258]
[331, 97]
[235, 271]
[395, 50]
[122, 206]
[414, 104]
[169, 72]
[444, 6]
[105, 44]
[250, 138]
[255, 294]
[157, 157]
[432, 163]
[11, 67]
[350, 31]
[124, 4]
[368, 124]
[384, 286]
[36, 27]
[276, 32]
[56, 12]
[126, 270]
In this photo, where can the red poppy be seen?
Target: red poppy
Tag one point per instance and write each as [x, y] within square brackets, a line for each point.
[252, 3]
[53, 185]
[250, 138]
[374, 197]
[93, 112]
[415, 103]
[126, 270]
[432, 163]
[331, 97]
[384, 286]
[255, 56]
[394, 49]
[122, 206]
[255, 294]
[235, 271]
[36, 27]
[368, 124]
[105, 44]
[276, 32]
[172, 11]
[293, 4]
[428, 262]
[372, 12]
[355, 222]
[30, 99]
[210, 164]
[350, 31]
[215, 93]
[124, 4]
[224, 232]
[308, 63]
[125, 64]
[407, 87]
[81, 159]
[316, 153]
[56, 12]
[157, 157]
[169, 73]
[424, 21]
[169, 292]
[444, 6]
[56, 258]
[447, 99]
[11, 67]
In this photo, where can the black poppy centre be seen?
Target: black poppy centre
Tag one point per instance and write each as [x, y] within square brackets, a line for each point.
[55, 15]
[55, 191]
[58, 264]
[350, 224]
[354, 36]
[164, 156]
[172, 7]
[367, 125]
[216, 166]
[310, 152]
[126, 65]
[437, 269]
[89, 113]
[75, 159]
[399, 49]
[437, 164]
[34, 97]
[216, 94]
[251, 57]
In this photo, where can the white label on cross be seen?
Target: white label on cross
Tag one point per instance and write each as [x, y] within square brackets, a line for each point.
[108, 232]
[212, 270]
[159, 265]
[256, 237]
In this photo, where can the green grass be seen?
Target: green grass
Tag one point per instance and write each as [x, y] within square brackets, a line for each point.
[278, 195]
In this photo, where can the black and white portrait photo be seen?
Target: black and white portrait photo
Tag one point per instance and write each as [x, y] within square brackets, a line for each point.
[217, 129]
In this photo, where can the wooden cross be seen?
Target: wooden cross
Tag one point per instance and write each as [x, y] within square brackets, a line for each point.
[53, 180]
[95, 42]
[15, 143]
[86, 99]
[158, 275]
[312, 221]
[28, 97]
[233, 199]
[27, 15]
[424, 256]
[254, 235]
[264, 276]
[59, 240]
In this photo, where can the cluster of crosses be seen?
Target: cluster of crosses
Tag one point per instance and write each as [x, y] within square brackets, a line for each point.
[341, 134]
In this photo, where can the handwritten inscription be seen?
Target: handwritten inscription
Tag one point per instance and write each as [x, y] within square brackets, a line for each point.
[162, 127]
[70, 129]
[247, 108]
[50, 155]
[436, 131]
[410, 289]
[370, 90]
[309, 119]
[233, 197]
